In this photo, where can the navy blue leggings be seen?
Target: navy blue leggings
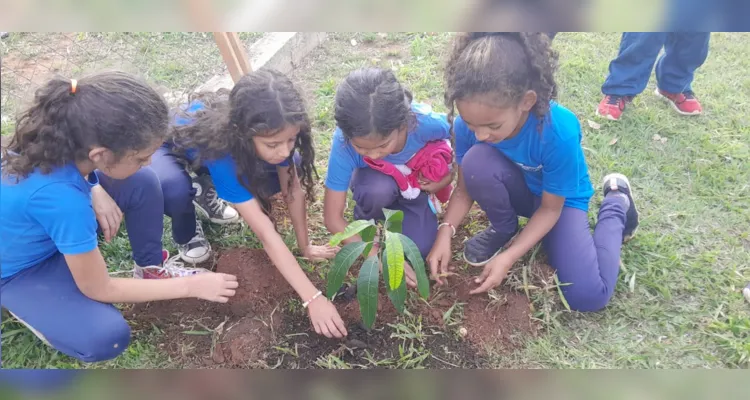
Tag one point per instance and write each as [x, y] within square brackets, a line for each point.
[46, 297]
[587, 265]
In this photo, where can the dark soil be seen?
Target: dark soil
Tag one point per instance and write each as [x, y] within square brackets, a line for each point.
[265, 326]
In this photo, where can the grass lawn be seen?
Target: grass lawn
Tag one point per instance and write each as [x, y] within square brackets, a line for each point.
[678, 302]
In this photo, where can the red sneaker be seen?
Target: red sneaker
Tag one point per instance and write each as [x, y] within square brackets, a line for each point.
[611, 106]
[684, 103]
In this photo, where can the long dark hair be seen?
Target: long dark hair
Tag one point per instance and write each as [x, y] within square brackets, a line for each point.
[372, 100]
[262, 103]
[114, 110]
[505, 65]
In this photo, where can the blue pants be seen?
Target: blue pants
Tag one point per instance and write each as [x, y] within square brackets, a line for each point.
[46, 297]
[373, 191]
[587, 265]
[630, 71]
[177, 187]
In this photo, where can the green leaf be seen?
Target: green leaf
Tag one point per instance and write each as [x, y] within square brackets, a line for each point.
[368, 235]
[398, 296]
[341, 264]
[394, 220]
[367, 290]
[417, 263]
[352, 229]
[395, 259]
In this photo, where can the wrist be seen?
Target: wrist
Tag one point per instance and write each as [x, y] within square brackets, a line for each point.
[446, 228]
[313, 298]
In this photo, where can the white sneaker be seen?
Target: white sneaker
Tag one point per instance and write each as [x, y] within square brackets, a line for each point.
[208, 203]
[197, 250]
[34, 331]
[170, 268]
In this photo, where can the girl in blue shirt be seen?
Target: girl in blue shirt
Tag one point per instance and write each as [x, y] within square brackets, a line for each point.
[77, 164]
[520, 154]
[376, 118]
[254, 144]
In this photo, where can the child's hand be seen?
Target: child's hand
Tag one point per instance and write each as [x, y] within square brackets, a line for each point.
[325, 319]
[440, 257]
[107, 212]
[319, 253]
[434, 187]
[409, 274]
[493, 274]
[213, 286]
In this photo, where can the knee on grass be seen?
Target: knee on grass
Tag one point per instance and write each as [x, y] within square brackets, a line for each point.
[101, 341]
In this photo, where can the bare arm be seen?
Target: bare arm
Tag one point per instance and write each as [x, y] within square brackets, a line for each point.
[90, 274]
[334, 204]
[295, 199]
[539, 225]
[276, 249]
[459, 204]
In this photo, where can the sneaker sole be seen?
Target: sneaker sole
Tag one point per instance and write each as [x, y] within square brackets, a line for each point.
[195, 260]
[205, 215]
[34, 331]
[674, 106]
[483, 263]
[624, 178]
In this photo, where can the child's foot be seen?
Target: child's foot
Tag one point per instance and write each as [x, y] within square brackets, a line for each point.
[684, 103]
[612, 107]
[30, 328]
[170, 268]
[618, 184]
[484, 246]
[208, 203]
[197, 250]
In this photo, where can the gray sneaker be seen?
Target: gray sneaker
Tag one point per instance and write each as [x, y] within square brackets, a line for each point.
[208, 203]
[485, 245]
[197, 250]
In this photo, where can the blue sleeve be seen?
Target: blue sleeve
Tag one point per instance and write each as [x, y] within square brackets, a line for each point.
[465, 138]
[341, 163]
[431, 125]
[66, 215]
[224, 175]
[561, 159]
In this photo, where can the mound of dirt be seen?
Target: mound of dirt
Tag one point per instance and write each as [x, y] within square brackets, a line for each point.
[263, 325]
[236, 333]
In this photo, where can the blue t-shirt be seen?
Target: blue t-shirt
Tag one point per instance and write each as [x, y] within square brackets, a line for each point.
[223, 170]
[551, 161]
[44, 214]
[344, 159]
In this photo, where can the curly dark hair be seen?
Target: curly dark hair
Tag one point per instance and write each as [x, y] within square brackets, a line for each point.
[506, 65]
[371, 100]
[114, 110]
[261, 103]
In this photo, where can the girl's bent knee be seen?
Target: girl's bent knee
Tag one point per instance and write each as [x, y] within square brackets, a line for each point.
[105, 342]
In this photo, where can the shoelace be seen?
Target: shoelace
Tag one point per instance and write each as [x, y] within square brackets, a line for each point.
[176, 268]
[214, 202]
[199, 235]
[615, 100]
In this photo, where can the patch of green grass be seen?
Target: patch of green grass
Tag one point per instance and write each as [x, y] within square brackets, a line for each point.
[677, 303]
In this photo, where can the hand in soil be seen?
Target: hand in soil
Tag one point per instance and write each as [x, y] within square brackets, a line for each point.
[439, 258]
[213, 286]
[326, 319]
[320, 253]
[493, 274]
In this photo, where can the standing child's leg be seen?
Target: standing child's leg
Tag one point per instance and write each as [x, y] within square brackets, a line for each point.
[373, 191]
[587, 266]
[46, 299]
[178, 192]
[498, 186]
[684, 53]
